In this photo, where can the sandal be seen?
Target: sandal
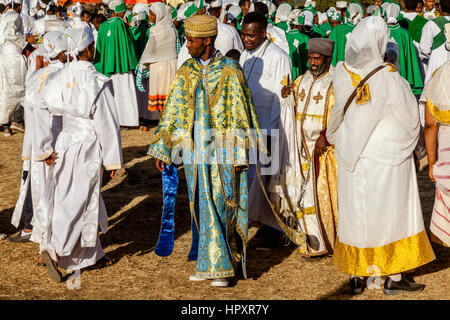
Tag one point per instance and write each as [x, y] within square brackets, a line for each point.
[53, 271]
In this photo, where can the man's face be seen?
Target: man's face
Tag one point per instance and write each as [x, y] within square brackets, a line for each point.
[318, 63]
[152, 17]
[245, 8]
[429, 4]
[85, 17]
[419, 7]
[252, 35]
[334, 23]
[196, 46]
[378, 3]
[96, 24]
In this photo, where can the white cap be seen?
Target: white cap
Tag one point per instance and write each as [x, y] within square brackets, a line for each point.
[341, 4]
[216, 4]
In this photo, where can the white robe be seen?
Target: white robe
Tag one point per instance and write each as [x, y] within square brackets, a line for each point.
[265, 69]
[90, 140]
[39, 175]
[278, 37]
[380, 216]
[12, 80]
[429, 31]
[126, 99]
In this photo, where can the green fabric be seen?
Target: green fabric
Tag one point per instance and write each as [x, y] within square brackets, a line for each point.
[283, 25]
[339, 35]
[120, 8]
[414, 27]
[407, 58]
[440, 39]
[140, 35]
[115, 52]
[298, 52]
[190, 11]
[325, 27]
[319, 31]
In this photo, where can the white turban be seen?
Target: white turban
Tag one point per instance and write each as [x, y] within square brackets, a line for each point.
[78, 40]
[354, 13]
[341, 4]
[216, 4]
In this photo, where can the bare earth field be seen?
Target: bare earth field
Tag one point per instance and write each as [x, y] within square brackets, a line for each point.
[134, 201]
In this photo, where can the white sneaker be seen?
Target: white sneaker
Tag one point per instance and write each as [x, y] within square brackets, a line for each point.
[195, 278]
[220, 283]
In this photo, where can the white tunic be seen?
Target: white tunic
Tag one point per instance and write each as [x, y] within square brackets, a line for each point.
[126, 99]
[429, 31]
[266, 70]
[12, 80]
[90, 139]
[278, 37]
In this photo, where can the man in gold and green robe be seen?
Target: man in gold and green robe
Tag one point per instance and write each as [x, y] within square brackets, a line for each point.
[209, 116]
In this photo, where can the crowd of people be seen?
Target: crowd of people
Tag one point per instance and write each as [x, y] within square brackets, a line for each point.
[310, 124]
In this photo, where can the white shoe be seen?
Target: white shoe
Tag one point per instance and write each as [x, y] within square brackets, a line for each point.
[195, 278]
[220, 283]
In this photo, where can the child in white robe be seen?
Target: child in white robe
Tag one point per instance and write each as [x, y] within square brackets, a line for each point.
[90, 140]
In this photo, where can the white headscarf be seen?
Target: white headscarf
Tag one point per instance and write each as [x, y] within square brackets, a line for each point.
[162, 39]
[78, 40]
[283, 12]
[447, 35]
[54, 43]
[141, 7]
[392, 11]
[309, 18]
[367, 43]
[12, 29]
[354, 13]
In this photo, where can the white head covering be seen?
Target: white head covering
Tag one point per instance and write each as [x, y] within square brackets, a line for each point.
[367, 43]
[310, 3]
[140, 7]
[181, 10]
[216, 4]
[233, 12]
[341, 4]
[163, 13]
[392, 11]
[54, 43]
[322, 17]
[78, 40]
[354, 12]
[309, 18]
[161, 44]
[283, 12]
[12, 29]
[77, 9]
[438, 89]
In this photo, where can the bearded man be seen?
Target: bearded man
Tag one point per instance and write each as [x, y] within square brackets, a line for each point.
[309, 172]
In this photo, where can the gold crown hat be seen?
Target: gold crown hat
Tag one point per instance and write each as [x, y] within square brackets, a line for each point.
[200, 26]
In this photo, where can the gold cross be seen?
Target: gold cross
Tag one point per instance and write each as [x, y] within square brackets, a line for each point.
[302, 95]
[43, 77]
[284, 81]
[270, 38]
[318, 97]
[71, 85]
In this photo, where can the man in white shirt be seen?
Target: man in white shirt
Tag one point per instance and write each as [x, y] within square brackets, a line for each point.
[266, 68]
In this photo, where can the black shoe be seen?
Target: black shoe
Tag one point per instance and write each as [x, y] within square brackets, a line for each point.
[356, 285]
[19, 238]
[392, 287]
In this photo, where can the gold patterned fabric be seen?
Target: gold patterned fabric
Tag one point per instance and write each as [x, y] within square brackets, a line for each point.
[363, 93]
[200, 26]
[396, 257]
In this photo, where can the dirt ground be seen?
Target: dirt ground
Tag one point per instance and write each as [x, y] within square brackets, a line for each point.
[134, 201]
